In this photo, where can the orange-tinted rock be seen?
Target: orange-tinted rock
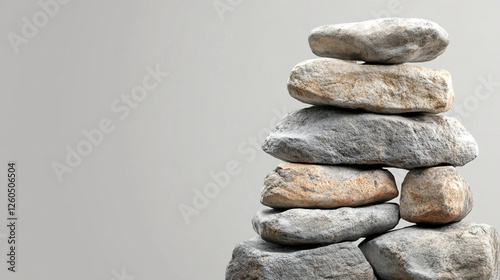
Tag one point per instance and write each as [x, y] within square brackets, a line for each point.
[293, 185]
[436, 195]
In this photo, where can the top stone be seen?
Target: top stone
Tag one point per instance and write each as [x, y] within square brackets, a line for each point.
[381, 41]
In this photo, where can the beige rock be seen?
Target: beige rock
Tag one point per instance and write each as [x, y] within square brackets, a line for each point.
[435, 195]
[389, 89]
[293, 185]
[382, 41]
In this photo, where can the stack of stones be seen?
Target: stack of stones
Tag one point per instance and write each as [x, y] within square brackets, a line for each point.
[333, 190]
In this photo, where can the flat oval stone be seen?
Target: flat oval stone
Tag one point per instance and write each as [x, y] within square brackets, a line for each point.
[436, 195]
[257, 259]
[327, 135]
[382, 41]
[293, 185]
[315, 226]
[461, 250]
[388, 89]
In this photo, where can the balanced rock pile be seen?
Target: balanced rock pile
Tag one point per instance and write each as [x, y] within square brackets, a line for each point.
[333, 191]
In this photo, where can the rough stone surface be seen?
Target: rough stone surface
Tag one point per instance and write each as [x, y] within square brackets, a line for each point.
[382, 41]
[456, 251]
[389, 89]
[326, 135]
[435, 195]
[257, 259]
[315, 226]
[293, 185]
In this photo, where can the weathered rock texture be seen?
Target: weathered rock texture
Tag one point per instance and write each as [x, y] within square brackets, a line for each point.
[293, 185]
[260, 260]
[326, 135]
[389, 89]
[456, 251]
[435, 195]
[382, 41]
[314, 226]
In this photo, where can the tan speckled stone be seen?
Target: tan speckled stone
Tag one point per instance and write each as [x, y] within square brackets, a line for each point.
[293, 185]
[388, 89]
[436, 195]
[381, 41]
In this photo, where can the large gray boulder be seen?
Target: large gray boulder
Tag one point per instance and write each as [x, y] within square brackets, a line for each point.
[260, 260]
[388, 89]
[316, 226]
[456, 251]
[326, 135]
[382, 41]
[293, 185]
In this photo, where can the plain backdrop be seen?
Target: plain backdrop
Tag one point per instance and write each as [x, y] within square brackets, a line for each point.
[117, 214]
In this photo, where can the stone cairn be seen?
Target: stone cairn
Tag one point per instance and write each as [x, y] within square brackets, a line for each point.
[333, 190]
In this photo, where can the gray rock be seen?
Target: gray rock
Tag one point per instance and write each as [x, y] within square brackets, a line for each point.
[383, 41]
[389, 89]
[436, 195]
[326, 135]
[293, 185]
[314, 226]
[260, 260]
[456, 251]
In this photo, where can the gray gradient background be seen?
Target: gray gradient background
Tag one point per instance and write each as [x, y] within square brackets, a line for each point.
[119, 209]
